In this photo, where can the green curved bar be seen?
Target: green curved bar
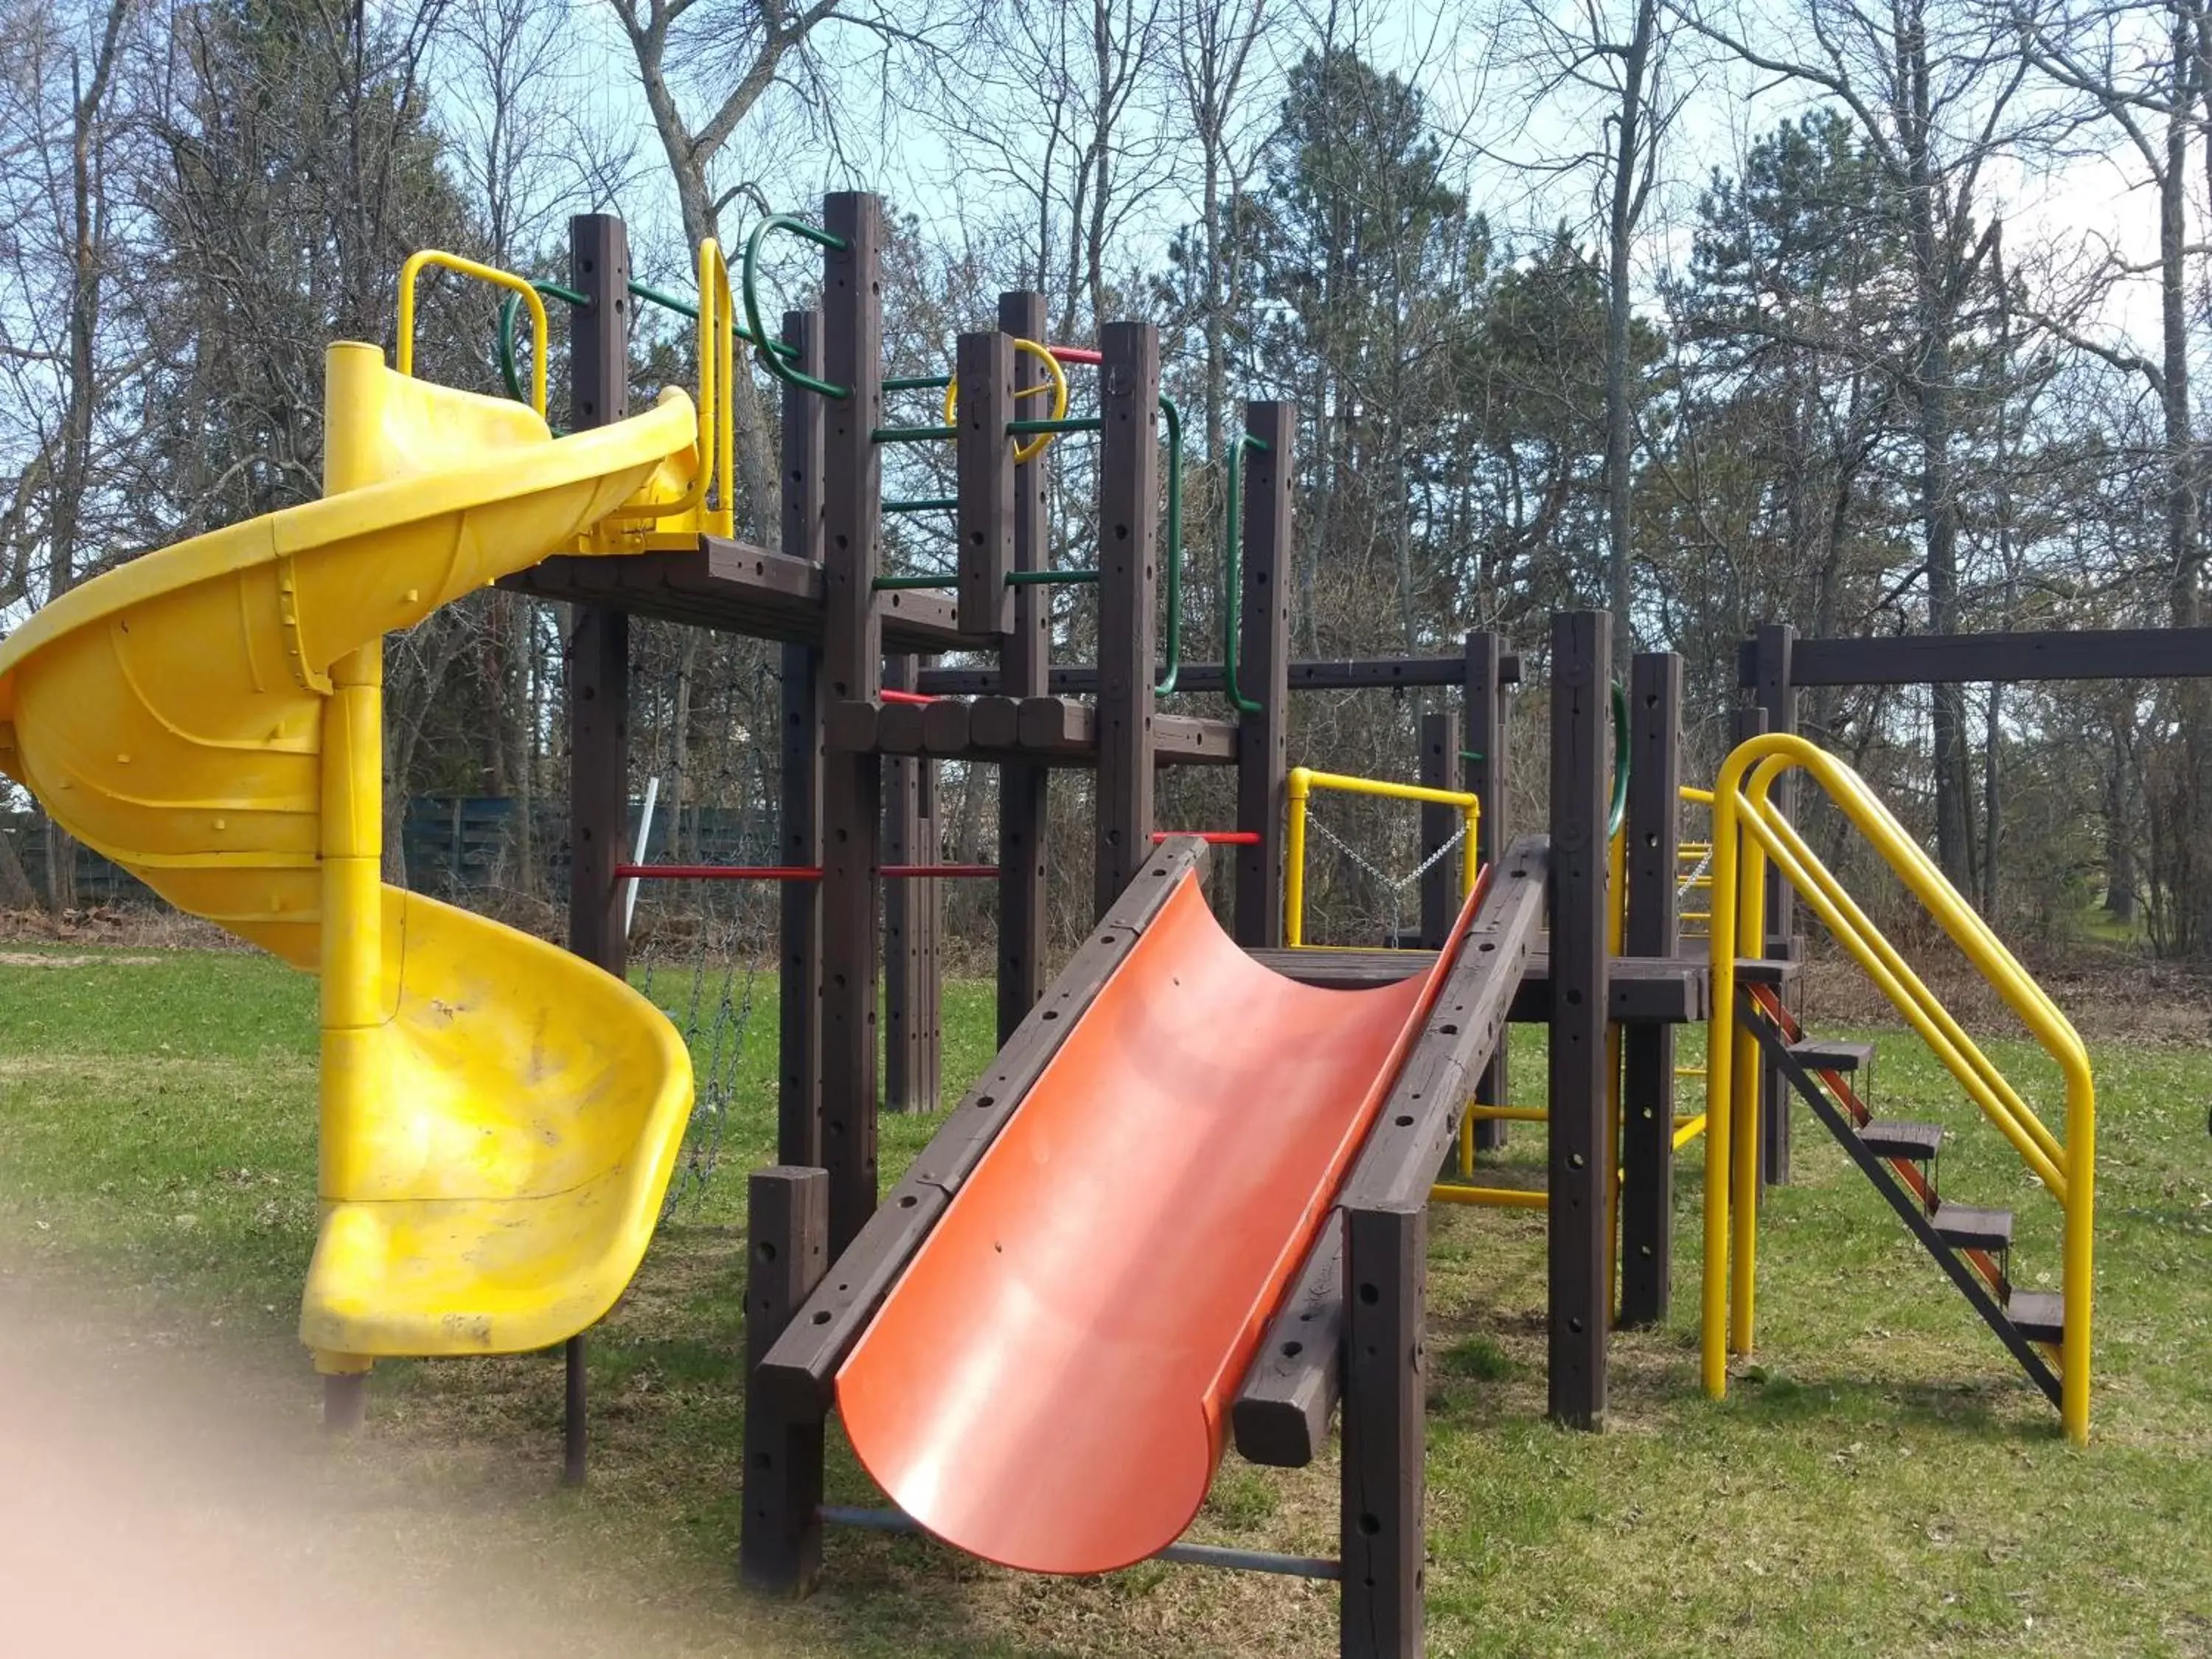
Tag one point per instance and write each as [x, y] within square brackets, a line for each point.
[749, 296]
[1174, 669]
[1232, 572]
[1617, 808]
[685, 308]
[510, 313]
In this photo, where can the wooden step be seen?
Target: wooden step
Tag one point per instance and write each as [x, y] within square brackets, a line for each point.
[1818, 1054]
[1767, 971]
[1889, 1137]
[1966, 1228]
[2038, 1315]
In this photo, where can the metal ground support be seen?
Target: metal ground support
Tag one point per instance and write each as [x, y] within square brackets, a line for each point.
[1195, 1555]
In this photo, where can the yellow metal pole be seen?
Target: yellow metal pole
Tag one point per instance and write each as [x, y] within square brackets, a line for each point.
[1495, 1197]
[1743, 1150]
[1510, 1113]
[1470, 864]
[351, 832]
[1719, 1058]
[1299, 787]
[1616, 938]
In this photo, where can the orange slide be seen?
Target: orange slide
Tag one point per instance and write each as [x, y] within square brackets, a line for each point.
[1047, 1386]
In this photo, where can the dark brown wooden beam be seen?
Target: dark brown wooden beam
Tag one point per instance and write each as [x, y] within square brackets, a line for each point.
[599, 680]
[1579, 1164]
[787, 1253]
[1129, 522]
[1040, 731]
[1485, 749]
[2118, 654]
[910, 909]
[1374, 673]
[733, 587]
[1026, 662]
[1440, 882]
[1638, 989]
[852, 662]
[1263, 653]
[799, 1089]
[1384, 1481]
[1647, 1052]
[985, 521]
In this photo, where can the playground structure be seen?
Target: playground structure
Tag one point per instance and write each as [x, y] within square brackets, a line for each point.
[1091, 1284]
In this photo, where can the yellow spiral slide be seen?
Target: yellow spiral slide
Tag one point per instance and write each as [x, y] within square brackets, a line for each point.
[498, 1118]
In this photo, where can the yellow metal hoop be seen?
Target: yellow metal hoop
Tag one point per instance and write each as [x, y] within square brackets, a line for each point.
[1036, 446]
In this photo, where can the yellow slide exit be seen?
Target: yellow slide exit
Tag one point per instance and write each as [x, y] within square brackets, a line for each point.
[498, 1118]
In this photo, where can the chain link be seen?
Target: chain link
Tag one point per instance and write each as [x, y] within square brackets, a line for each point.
[1395, 886]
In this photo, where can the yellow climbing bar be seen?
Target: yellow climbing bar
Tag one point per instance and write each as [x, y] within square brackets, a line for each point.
[705, 502]
[1749, 832]
[1304, 780]
[1495, 1197]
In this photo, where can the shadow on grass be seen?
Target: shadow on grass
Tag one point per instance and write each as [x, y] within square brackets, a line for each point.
[1978, 1410]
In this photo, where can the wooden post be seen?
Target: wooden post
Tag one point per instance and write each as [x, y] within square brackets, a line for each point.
[1581, 1299]
[1771, 649]
[909, 926]
[1484, 773]
[852, 652]
[788, 1237]
[1382, 1541]
[599, 684]
[1128, 520]
[799, 1009]
[1024, 665]
[985, 470]
[1263, 658]
[1647, 1085]
[1440, 882]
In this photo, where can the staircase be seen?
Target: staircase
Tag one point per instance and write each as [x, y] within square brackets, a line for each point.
[2047, 1333]
[1974, 1246]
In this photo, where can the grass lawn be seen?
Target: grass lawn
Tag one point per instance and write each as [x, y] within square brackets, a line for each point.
[1883, 1480]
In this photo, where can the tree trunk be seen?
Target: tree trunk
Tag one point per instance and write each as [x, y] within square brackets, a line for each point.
[1620, 430]
[1939, 511]
[2119, 821]
[15, 890]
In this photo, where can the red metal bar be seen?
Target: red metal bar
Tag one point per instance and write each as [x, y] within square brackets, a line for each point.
[793, 871]
[719, 872]
[1077, 354]
[1217, 837]
[889, 695]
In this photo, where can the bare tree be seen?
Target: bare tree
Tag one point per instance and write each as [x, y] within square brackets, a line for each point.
[66, 223]
[1936, 101]
[1214, 41]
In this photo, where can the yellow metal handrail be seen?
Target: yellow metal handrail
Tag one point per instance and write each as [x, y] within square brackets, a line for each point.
[1304, 780]
[717, 467]
[411, 273]
[1748, 831]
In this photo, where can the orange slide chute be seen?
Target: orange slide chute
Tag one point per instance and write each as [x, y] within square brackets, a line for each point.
[1047, 1385]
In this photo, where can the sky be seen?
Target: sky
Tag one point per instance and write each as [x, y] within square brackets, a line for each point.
[1485, 95]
